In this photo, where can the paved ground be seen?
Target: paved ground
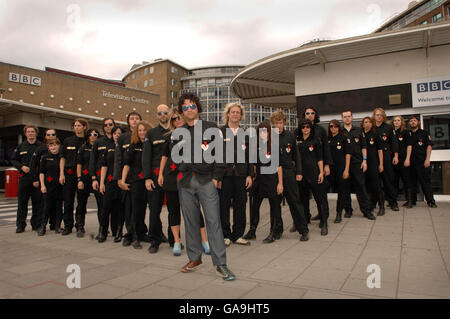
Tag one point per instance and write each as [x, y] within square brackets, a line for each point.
[412, 248]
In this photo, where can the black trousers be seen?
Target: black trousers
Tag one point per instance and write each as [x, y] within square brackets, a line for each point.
[339, 185]
[358, 181]
[53, 200]
[125, 198]
[25, 191]
[233, 194]
[81, 210]
[388, 178]
[276, 225]
[69, 191]
[422, 175]
[155, 203]
[138, 208]
[292, 194]
[403, 173]
[319, 192]
[373, 186]
[113, 208]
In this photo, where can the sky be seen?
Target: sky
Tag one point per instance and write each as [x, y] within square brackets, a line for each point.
[104, 38]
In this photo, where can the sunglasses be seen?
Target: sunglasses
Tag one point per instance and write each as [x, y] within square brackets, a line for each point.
[164, 112]
[175, 118]
[108, 124]
[306, 126]
[333, 126]
[192, 106]
[50, 134]
[93, 134]
[310, 113]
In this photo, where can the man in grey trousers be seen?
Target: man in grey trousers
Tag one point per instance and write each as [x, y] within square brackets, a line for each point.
[197, 184]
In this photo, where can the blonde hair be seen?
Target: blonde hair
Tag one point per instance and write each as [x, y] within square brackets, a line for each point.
[382, 111]
[227, 110]
[171, 113]
[402, 121]
[135, 135]
[276, 116]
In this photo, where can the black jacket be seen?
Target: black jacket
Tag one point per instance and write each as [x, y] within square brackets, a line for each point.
[69, 150]
[340, 146]
[388, 141]
[83, 157]
[402, 140]
[98, 150]
[419, 140]
[122, 144]
[358, 142]
[23, 155]
[107, 160]
[49, 166]
[289, 153]
[374, 144]
[133, 158]
[311, 151]
[153, 150]
[36, 160]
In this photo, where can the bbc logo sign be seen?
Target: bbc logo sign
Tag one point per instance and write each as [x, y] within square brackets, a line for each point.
[433, 86]
[24, 79]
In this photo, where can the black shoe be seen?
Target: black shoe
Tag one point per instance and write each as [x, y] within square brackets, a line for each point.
[126, 241]
[145, 239]
[324, 230]
[52, 227]
[370, 216]
[317, 217]
[153, 249]
[338, 218]
[394, 207]
[20, 230]
[348, 215]
[136, 244]
[408, 204]
[381, 212]
[250, 235]
[277, 236]
[102, 238]
[432, 204]
[41, 231]
[80, 233]
[269, 239]
[118, 238]
[58, 230]
[293, 229]
[305, 237]
[66, 231]
[164, 239]
[225, 273]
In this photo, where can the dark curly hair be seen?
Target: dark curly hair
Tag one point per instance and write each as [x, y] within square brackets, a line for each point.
[305, 122]
[191, 97]
[316, 115]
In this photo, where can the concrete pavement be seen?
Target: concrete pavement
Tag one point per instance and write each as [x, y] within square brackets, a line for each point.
[411, 247]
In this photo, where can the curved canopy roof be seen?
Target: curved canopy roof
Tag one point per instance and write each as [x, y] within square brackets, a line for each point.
[271, 80]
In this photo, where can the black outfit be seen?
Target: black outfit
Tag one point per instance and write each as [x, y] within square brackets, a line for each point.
[133, 158]
[112, 204]
[340, 147]
[265, 186]
[22, 157]
[49, 166]
[373, 176]
[83, 157]
[389, 143]
[233, 192]
[291, 163]
[420, 140]
[69, 151]
[402, 172]
[154, 144]
[311, 152]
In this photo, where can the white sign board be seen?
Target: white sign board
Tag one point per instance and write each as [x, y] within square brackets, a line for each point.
[431, 92]
[439, 132]
[24, 79]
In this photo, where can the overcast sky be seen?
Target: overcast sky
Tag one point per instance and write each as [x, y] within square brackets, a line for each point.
[105, 38]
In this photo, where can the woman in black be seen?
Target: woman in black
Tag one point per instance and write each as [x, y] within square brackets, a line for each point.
[84, 186]
[68, 171]
[50, 187]
[267, 185]
[112, 204]
[132, 172]
[340, 167]
[374, 165]
[402, 134]
[313, 173]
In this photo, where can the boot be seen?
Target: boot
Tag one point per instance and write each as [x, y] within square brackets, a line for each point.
[269, 239]
[101, 235]
[408, 203]
[338, 217]
[251, 233]
[324, 230]
[348, 214]
[80, 232]
[381, 211]
[119, 235]
[42, 231]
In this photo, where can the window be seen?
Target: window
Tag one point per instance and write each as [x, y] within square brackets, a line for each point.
[425, 22]
[152, 69]
[174, 70]
[151, 82]
[173, 82]
[437, 17]
[133, 76]
[145, 71]
[145, 83]
[173, 94]
[137, 86]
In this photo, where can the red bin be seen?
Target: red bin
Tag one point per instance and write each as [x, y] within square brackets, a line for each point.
[11, 182]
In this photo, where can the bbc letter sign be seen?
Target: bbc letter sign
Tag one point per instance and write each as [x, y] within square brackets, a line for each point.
[431, 92]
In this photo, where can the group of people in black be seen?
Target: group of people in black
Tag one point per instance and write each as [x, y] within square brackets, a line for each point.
[126, 170]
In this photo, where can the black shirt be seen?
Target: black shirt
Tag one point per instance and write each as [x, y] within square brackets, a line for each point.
[133, 158]
[340, 146]
[23, 155]
[36, 160]
[83, 157]
[98, 150]
[107, 160]
[69, 151]
[311, 151]
[265, 184]
[289, 154]
[123, 142]
[153, 149]
[389, 141]
[402, 140]
[358, 143]
[171, 169]
[419, 140]
[49, 166]
[374, 144]
[233, 166]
